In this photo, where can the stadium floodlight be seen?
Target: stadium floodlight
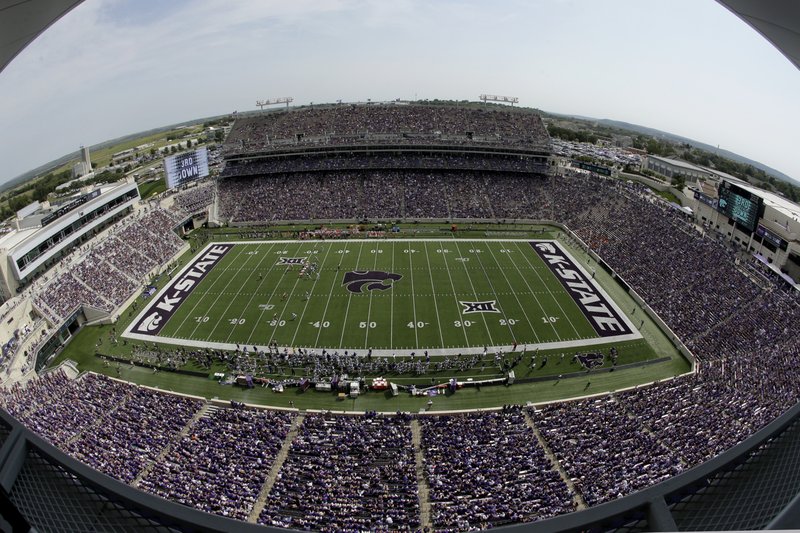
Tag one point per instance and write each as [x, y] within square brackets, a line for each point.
[282, 100]
[495, 98]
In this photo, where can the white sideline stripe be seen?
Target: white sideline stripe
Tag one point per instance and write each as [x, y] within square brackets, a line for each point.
[388, 352]
[580, 343]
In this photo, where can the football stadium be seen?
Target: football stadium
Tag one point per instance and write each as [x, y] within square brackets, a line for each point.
[395, 316]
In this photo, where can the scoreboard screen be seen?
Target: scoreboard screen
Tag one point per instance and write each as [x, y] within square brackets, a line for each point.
[739, 205]
[186, 167]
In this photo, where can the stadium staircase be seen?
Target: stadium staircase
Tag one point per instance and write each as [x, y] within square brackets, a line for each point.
[577, 497]
[91, 290]
[422, 479]
[645, 429]
[261, 501]
[741, 311]
[201, 413]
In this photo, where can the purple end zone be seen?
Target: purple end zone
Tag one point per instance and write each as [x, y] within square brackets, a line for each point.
[162, 309]
[604, 318]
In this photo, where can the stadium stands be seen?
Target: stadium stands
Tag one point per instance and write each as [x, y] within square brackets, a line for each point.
[482, 469]
[387, 124]
[221, 463]
[347, 474]
[107, 273]
[486, 470]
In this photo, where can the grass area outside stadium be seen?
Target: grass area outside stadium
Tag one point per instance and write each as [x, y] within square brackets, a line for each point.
[651, 357]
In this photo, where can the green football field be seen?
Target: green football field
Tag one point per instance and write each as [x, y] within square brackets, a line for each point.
[392, 296]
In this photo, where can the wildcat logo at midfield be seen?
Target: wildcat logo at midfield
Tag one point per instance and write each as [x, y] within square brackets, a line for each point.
[489, 306]
[373, 280]
[292, 260]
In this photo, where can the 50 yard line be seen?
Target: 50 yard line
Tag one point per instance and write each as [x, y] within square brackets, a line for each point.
[369, 308]
[349, 298]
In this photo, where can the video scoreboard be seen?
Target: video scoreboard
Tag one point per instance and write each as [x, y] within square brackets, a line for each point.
[740, 205]
[186, 167]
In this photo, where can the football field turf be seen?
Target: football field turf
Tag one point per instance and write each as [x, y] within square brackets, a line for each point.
[393, 296]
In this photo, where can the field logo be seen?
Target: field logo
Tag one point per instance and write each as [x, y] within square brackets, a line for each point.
[590, 360]
[165, 305]
[292, 260]
[489, 306]
[606, 321]
[545, 247]
[374, 280]
[150, 322]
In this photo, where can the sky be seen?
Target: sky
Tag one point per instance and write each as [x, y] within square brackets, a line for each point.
[115, 67]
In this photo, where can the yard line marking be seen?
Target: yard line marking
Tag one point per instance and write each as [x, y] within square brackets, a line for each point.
[413, 300]
[202, 297]
[349, 299]
[469, 278]
[455, 297]
[391, 306]
[369, 308]
[308, 300]
[558, 303]
[232, 300]
[435, 304]
[515, 296]
[286, 303]
[252, 295]
[494, 292]
[269, 299]
[330, 294]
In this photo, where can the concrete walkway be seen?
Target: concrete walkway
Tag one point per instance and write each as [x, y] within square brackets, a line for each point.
[185, 431]
[422, 480]
[261, 501]
[577, 497]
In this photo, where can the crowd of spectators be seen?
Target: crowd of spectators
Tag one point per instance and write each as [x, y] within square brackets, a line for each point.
[386, 195]
[487, 470]
[483, 469]
[607, 454]
[221, 464]
[132, 434]
[194, 199]
[347, 474]
[386, 163]
[107, 272]
[59, 409]
[386, 124]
